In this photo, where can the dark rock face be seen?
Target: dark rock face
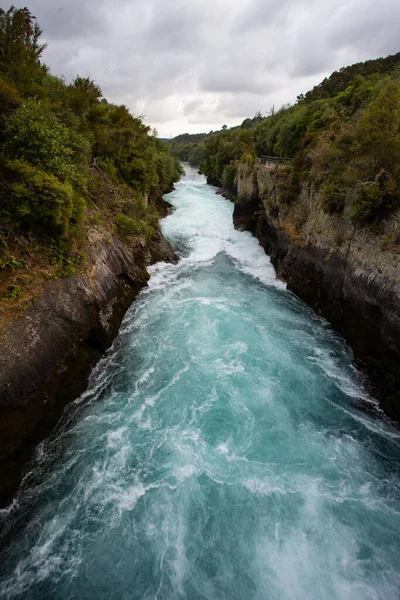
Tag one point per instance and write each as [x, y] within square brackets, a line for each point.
[47, 354]
[359, 303]
[227, 192]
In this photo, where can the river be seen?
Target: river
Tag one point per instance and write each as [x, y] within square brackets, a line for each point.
[223, 449]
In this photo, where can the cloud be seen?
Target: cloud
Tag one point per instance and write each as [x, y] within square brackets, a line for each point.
[195, 65]
[238, 74]
[191, 106]
[259, 13]
[74, 20]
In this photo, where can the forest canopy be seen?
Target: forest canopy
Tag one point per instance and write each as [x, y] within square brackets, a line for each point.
[53, 133]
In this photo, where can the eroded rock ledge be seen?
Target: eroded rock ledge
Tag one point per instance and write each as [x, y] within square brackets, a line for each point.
[349, 275]
[46, 355]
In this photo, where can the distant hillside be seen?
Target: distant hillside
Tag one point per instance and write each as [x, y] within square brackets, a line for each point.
[188, 138]
[188, 147]
[340, 80]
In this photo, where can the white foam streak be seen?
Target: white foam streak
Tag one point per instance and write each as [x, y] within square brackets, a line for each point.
[205, 221]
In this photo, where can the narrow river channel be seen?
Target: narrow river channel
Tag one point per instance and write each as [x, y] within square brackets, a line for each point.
[220, 451]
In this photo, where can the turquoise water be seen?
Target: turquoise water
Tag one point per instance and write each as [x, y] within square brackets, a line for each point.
[220, 451]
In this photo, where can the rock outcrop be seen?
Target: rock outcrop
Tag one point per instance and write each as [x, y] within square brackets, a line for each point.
[349, 274]
[46, 355]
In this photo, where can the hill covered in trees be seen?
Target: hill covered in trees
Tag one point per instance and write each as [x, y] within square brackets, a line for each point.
[188, 147]
[68, 159]
[340, 80]
[344, 135]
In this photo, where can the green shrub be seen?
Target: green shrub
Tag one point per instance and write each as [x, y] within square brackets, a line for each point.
[14, 291]
[129, 226]
[34, 134]
[12, 263]
[66, 261]
[332, 198]
[9, 97]
[372, 200]
[287, 184]
[229, 175]
[248, 159]
[38, 200]
[69, 266]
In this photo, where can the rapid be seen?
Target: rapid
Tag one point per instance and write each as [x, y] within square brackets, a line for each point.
[224, 449]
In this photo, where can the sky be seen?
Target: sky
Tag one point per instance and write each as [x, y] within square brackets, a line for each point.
[195, 65]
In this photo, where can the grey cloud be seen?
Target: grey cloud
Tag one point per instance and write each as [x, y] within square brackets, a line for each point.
[352, 32]
[371, 28]
[227, 80]
[263, 13]
[178, 28]
[234, 106]
[189, 65]
[191, 106]
[66, 21]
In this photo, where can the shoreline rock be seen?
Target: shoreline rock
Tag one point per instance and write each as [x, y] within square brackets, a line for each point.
[47, 354]
[337, 269]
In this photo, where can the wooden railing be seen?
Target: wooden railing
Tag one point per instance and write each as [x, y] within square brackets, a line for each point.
[273, 161]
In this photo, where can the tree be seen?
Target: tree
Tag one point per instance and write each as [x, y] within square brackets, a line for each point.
[20, 50]
[35, 135]
[9, 98]
[83, 95]
[376, 155]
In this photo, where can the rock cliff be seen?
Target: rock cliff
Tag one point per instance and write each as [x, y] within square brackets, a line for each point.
[46, 354]
[349, 274]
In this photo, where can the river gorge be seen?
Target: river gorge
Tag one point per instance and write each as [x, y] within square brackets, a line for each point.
[226, 446]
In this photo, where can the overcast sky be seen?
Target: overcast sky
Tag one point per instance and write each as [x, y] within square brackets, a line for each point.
[194, 65]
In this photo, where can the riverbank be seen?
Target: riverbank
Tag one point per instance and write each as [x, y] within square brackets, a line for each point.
[348, 274]
[46, 354]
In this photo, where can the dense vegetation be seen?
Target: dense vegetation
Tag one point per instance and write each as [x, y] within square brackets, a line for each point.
[344, 135]
[189, 147]
[67, 154]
